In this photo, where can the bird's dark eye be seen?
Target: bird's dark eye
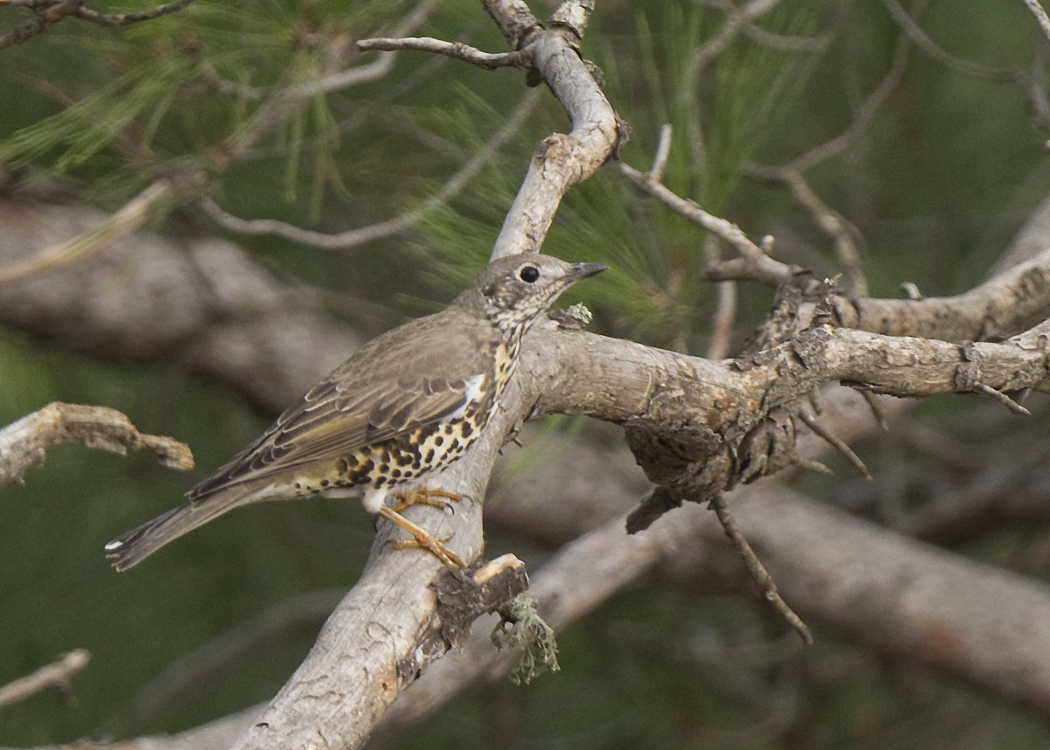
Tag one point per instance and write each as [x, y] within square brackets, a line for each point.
[529, 274]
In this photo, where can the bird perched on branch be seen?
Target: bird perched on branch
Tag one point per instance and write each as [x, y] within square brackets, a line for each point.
[406, 404]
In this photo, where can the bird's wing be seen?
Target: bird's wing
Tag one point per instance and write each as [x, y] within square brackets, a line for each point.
[333, 419]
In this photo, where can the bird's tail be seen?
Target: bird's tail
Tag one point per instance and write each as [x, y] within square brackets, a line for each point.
[141, 542]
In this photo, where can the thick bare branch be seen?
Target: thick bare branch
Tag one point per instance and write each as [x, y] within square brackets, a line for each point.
[1000, 307]
[560, 160]
[659, 389]
[907, 599]
[351, 675]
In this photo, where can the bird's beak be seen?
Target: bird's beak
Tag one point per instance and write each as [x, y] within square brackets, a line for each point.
[583, 270]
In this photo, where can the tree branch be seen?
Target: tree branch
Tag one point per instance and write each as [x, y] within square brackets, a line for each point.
[46, 15]
[1040, 16]
[827, 564]
[359, 236]
[24, 443]
[455, 50]
[57, 674]
[560, 160]
[123, 19]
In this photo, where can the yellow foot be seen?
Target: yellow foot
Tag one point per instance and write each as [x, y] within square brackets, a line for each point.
[422, 538]
[423, 495]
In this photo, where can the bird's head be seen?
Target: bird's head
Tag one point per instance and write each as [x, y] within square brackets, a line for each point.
[513, 292]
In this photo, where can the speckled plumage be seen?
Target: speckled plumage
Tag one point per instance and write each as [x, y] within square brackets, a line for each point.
[407, 403]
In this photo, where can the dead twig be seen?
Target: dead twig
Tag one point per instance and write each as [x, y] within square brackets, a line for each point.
[753, 264]
[724, 319]
[23, 444]
[1040, 16]
[331, 82]
[835, 442]
[457, 50]
[58, 674]
[361, 235]
[755, 568]
[845, 236]
[123, 19]
[49, 12]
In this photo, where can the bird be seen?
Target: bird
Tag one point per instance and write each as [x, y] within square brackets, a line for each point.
[406, 404]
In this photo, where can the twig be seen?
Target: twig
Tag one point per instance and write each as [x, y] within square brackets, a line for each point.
[49, 12]
[457, 50]
[56, 674]
[1034, 90]
[46, 16]
[755, 569]
[663, 150]
[123, 19]
[725, 315]
[736, 21]
[845, 237]
[877, 409]
[344, 79]
[23, 443]
[354, 76]
[1002, 398]
[123, 222]
[864, 115]
[756, 264]
[934, 50]
[1040, 16]
[840, 445]
[355, 237]
[341, 80]
[784, 42]
[843, 234]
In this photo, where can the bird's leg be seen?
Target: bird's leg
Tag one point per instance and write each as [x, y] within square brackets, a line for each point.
[422, 538]
[423, 495]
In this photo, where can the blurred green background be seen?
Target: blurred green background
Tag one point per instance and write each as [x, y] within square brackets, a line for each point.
[949, 168]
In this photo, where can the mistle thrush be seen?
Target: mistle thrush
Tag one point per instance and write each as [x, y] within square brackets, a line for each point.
[406, 404]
